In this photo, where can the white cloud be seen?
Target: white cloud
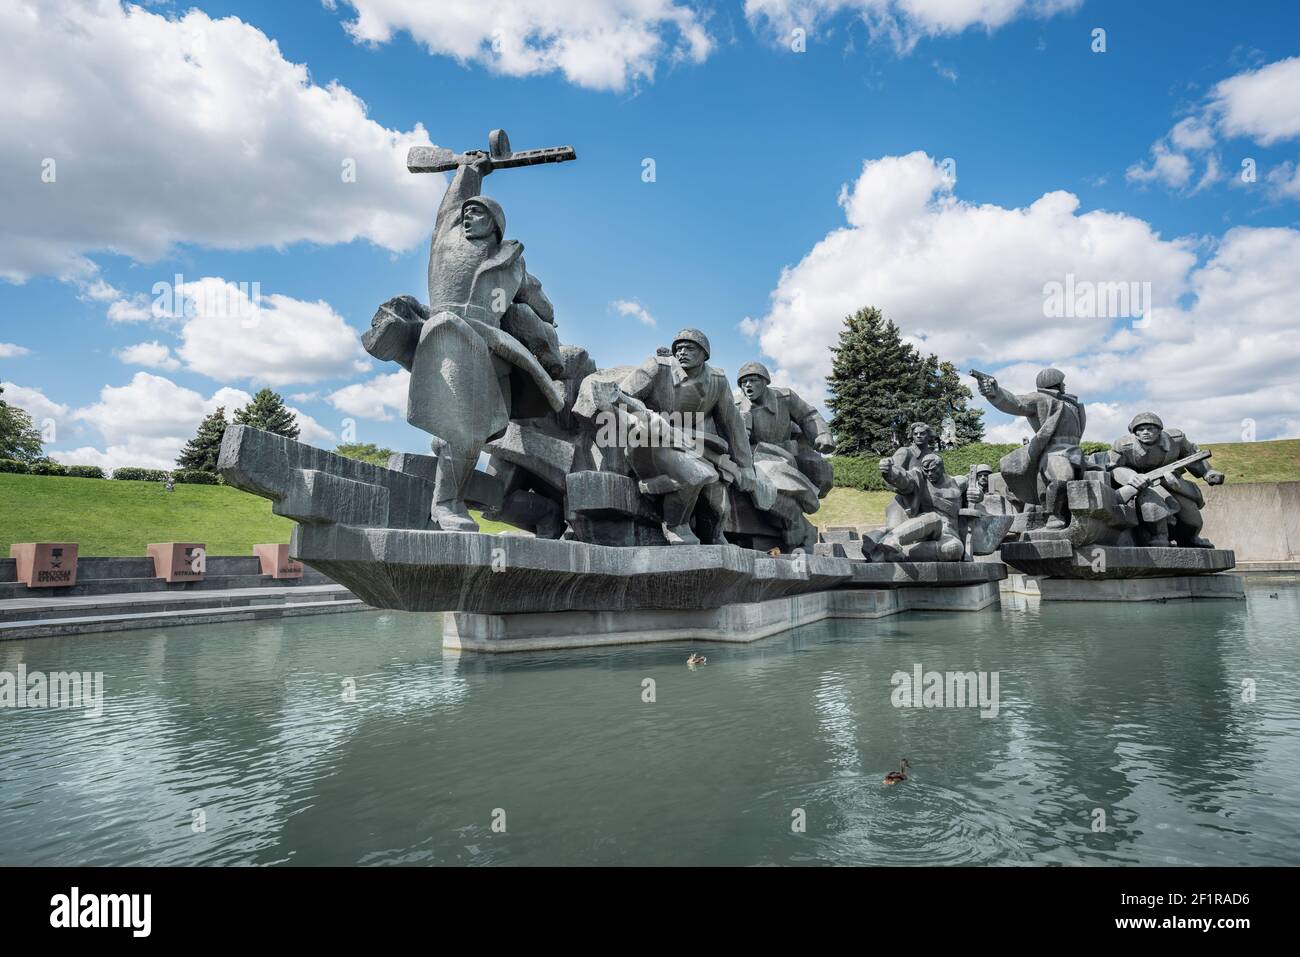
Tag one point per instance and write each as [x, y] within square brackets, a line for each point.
[135, 309]
[902, 22]
[34, 402]
[229, 144]
[147, 421]
[967, 282]
[630, 307]
[10, 350]
[151, 355]
[230, 331]
[311, 431]
[1262, 105]
[598, 44]
[374, 398]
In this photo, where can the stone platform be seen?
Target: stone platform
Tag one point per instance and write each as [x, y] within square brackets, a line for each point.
[1125, 589]
[427, 570]
[738, 623]
[1059, 559]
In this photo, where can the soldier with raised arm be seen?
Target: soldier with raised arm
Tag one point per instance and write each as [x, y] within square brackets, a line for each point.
[484, 351]
[1037, 472]
[931, 530]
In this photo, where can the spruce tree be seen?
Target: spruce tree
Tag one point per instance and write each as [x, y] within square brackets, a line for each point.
[872, 383]
[267, 411]
[880, 385]
[201, 452]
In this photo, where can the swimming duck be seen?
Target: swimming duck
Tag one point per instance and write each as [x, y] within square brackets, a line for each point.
[696, 659]
[893, 777]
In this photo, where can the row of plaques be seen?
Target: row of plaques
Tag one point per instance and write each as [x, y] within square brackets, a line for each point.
[54, 564]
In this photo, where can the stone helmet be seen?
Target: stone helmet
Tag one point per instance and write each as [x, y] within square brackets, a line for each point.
[753, 368]
[1049, 379]
[983, 469]
[1145, 418]
[693, 335]
[494, 210]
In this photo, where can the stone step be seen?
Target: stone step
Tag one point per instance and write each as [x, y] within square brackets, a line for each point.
[88, 624]
[46, 607]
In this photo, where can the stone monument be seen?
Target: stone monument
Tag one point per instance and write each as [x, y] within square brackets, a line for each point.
[656, 503]
[1120, 525]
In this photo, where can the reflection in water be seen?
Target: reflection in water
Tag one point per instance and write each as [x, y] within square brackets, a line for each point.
[1133, 711]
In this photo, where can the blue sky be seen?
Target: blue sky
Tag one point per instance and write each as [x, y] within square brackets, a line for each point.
[789, 188]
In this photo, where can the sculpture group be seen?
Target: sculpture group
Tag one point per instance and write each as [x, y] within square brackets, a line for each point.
[671, 452]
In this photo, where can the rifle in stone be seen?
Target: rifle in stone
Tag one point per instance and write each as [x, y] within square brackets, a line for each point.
[1128, 492]
[435, 159]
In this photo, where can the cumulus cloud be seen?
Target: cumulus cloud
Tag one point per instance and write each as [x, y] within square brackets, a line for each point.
[634, 309]
[598, 44]
[1262, 105]
[1208, 345]
[10, 350]
[229, 145]
[376, 398]
[231, 331]
[34, 402]
[151, 355]
[902, 22]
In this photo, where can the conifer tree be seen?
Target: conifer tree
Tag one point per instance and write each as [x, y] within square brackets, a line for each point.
[201, 452]
[267, 411]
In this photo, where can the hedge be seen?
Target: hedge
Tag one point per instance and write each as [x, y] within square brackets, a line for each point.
[194, 477]
[13, 465]
[129, 474]
[862, 472]
[85, 471]
[47, 468]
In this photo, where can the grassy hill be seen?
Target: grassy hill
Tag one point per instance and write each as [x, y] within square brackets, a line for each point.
[108, 517]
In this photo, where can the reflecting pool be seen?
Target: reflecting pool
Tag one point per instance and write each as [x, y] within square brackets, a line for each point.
[1152, 734]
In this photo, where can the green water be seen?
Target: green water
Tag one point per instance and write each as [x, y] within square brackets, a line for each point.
[1134, 710]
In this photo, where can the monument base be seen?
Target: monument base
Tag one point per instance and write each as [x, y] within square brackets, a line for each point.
[738, 622]
[1124, 589]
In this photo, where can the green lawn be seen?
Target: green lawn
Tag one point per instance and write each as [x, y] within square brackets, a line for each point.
[107, 517]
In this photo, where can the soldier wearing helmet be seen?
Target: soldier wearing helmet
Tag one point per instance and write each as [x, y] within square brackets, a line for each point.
[788, 437]
[1170, 507]
[483, 352]
[1037, 472]
[709, 448]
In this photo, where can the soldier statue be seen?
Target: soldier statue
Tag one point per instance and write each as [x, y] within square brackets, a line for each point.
[1169, 507]
[783, 431]
[932, 500]
[1037, 472]
[704, 447]
[484, 351]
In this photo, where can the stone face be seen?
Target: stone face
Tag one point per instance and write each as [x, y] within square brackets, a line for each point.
[1059, 559]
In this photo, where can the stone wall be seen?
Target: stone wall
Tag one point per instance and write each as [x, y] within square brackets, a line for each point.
[1260, 521]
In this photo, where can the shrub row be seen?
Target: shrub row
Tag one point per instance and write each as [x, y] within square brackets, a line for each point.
[48, 467]
[130, 474]
[862, 472]
[125, 474]
[195, 477]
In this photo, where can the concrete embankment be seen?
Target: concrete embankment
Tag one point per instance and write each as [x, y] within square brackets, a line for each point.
[1259, 521]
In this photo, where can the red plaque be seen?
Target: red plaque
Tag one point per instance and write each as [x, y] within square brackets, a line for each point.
[179, 561]
[276, 561]
[46, 564]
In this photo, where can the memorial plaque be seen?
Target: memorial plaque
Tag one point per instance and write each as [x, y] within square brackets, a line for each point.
[179, 561]
[276, 561]
[46, 564]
